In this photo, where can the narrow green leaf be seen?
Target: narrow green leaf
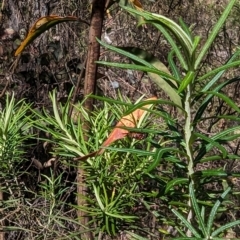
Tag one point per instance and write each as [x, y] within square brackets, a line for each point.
[223, 133]
[212, 143]
[175, 182]
[188, 79]
[175, 29]
[168, 23]
[178, 204]
[219, 73]
[135, 236]
[215, 158]
[208, 98]
[225, 227]
[188, 238]
[220, 69]
[186, 223]
[231, 137]
[214, 33]
[126, 53]
[120, 216]
[173, 66]
[203, 212]
[158, 157]
[165, 25]
[174, 46]
[185, 28]
[213, 212]
[210, 173]
[55, 110]
[197, 210]
[216, 137]
[138, 68]
[195, 45]
[156, 78]
[98, 198]
[226, 99]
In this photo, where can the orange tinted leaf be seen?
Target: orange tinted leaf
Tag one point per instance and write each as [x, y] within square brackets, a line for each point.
[137, 4]
[116, 134]
[119, 132]
[40, 26]
[129, 121]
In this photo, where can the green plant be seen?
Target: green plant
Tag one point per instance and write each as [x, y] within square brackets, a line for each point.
[186, 147]
[52, 191]
[206, 227]
[112, 177]
[14, 133]
[14, 130]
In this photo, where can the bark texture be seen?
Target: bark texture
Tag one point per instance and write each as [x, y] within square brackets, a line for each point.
[95, 31]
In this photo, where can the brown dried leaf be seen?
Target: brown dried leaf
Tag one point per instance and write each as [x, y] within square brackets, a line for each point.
[40, 26]
[119, 132]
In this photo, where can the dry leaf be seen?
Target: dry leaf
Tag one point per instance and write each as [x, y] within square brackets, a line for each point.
[129, 121]
[136, 4]
[40, 26]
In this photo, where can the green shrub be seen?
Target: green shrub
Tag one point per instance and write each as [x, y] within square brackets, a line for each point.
[184, 185]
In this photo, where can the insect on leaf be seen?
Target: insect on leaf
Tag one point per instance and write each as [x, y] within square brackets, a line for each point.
[40, 26]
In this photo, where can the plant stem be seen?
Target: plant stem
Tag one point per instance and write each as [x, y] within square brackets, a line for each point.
[188, 135]
[188, 130]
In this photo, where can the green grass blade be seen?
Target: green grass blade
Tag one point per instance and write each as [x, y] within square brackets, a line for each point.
[159, 157]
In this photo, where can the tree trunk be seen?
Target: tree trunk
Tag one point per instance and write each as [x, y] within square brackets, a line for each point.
[1, 214]
[95, 31]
